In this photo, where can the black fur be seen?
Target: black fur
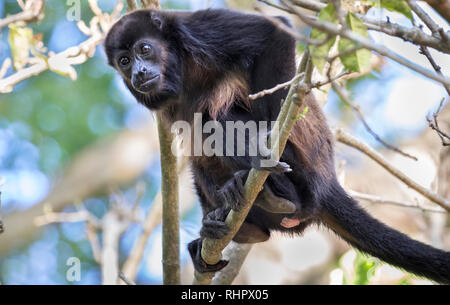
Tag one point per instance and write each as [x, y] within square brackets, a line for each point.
[205, 50]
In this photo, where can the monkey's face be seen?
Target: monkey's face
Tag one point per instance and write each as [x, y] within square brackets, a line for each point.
[141, 65]
[137, 48]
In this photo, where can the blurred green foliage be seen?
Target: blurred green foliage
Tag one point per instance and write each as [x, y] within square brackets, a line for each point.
[53, 118]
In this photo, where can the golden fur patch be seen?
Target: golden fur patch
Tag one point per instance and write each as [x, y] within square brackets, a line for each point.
[231, 89]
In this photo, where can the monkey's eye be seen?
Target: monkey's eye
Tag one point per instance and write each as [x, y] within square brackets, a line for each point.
[145, 49]
[124, 61]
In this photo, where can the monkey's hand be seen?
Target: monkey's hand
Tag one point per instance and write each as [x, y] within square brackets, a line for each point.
[214, 225]
[195, 250]
[231, 195]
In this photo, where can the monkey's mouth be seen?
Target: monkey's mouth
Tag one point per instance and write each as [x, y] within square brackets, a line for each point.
[148, 85]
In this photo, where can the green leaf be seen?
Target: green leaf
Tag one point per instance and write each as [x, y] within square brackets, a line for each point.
[399, 6]
[20, 41]
[303, 114]
[358, 60]
[320, 53]
[365, 267]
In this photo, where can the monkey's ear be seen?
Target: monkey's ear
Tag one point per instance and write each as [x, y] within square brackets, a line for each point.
[157, 20]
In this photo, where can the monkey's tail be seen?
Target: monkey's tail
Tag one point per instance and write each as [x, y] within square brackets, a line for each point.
[345, 217]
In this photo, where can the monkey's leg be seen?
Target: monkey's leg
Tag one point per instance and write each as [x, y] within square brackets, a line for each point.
[251, 234]
[271, 203]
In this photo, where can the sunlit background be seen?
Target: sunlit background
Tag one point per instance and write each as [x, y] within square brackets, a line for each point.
[49, 120]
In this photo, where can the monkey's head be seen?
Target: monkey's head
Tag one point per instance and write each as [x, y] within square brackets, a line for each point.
[139, 49]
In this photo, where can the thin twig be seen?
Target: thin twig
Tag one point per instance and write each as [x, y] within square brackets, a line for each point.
[346, 99]
[332, 79]
[91, 233]
[433, 124]
[377, 199]
[429, 22]
[345, 138]
[297, 36]
[276, 88]
[436, 67]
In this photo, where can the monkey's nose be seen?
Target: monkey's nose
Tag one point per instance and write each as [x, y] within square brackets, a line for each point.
[142, 71]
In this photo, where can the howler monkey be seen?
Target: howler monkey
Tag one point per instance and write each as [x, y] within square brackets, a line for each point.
[208, 62]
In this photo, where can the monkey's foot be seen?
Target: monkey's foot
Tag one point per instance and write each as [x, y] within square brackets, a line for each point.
[289, 222]
[195, 250]
[214, 225]
[271, 203]
[232, 193]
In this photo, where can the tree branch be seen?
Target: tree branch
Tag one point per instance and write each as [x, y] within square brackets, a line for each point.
[2, 227]
[345, 138]
[377, 199]
[31, 12]
[131, 5]
[413, 35]
[170, 221]
[435, 29]
[331, 28]
[235, 253]
[264, 92]
[433, 124]
[64, 60]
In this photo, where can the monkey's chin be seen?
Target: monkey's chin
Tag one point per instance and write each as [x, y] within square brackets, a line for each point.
[149, 86]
